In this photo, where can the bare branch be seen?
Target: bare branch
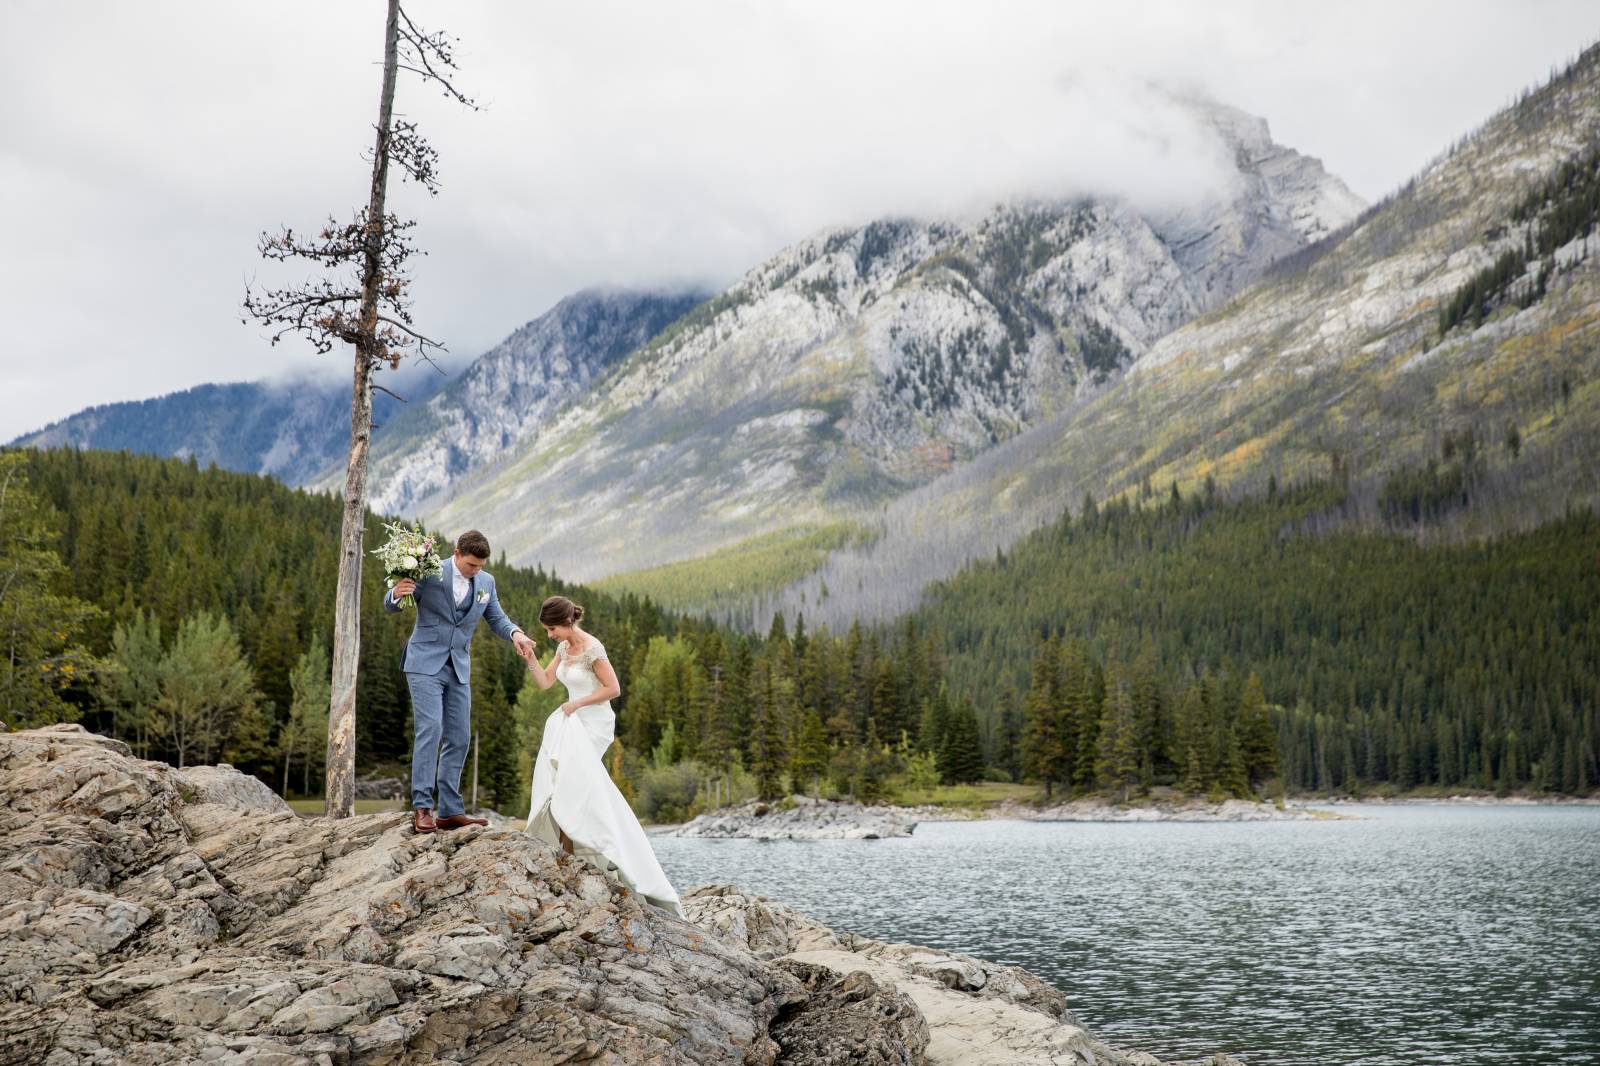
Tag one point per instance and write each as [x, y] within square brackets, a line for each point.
[421, 340]
[428, 55]
[388, 392]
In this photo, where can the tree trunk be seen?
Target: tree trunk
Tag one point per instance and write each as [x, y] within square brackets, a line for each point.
[341, 766]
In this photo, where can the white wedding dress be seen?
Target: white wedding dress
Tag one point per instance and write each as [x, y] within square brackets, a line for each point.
[572, 790]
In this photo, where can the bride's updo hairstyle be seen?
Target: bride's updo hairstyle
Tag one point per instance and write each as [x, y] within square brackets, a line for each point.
[560, 611]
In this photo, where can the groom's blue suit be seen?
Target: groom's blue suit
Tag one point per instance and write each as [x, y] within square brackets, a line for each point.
[438, 668]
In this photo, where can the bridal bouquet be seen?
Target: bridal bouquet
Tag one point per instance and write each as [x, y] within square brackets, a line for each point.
[408, 553]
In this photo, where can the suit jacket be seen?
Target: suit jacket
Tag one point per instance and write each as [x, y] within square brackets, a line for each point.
[444, 633]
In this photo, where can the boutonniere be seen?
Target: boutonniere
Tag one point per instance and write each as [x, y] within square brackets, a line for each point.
[483, 597]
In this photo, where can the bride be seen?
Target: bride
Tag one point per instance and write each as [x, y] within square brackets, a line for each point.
[575, 803]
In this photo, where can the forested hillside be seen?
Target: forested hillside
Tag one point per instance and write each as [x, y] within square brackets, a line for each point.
[1188, 641]
[182, 609]
[1385, 658]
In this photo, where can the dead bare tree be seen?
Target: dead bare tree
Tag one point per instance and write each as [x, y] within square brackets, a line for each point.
[361, 300]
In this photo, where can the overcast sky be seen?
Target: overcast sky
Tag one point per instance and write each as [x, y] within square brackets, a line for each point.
[144, 146]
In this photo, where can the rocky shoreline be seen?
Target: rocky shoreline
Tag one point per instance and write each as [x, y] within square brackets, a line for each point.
[153, 915]
[806, 818]
[1095, 809]
[801, 818]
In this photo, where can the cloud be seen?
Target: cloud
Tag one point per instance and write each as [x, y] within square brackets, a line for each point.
[640, 143]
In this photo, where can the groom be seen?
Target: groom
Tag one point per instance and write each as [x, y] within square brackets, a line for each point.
[438, 667]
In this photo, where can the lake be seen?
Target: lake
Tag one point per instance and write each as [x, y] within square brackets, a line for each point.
[1417, 933]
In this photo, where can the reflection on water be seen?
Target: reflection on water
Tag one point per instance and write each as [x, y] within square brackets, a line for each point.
[1419, 934]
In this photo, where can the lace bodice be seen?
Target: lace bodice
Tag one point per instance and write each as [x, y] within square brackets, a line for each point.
[576, 670]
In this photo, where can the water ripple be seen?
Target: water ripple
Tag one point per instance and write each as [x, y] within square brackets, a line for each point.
[1419, 934]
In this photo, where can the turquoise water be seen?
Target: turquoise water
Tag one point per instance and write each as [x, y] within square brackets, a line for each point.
[1417, 934]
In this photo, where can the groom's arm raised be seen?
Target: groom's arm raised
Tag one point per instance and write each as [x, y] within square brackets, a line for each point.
[503, 626]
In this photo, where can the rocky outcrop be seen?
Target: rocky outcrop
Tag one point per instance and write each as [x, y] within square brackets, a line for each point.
[147, 921]
[373, 787]
[227, 787]
[800, 818]
[152, 915]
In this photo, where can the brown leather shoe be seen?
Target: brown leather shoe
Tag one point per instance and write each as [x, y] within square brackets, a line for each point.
[422, 820]
[456, 821]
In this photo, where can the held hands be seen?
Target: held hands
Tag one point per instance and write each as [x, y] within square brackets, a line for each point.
[525, 647]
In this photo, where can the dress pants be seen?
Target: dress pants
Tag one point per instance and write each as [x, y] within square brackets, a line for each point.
[441, 710]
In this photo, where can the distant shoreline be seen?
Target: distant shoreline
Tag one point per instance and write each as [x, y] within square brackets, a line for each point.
[846, 820]
[1465, 799]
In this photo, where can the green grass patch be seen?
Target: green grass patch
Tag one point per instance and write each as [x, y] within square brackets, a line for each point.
[313, 806]
[730, 577]
[974, 797]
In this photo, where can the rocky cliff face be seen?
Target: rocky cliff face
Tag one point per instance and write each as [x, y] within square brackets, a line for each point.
[509, 392]
[150, 915]
[1280, 201]
[863, 362]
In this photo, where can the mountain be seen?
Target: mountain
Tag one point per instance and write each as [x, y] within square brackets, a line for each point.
[291, 430]
[863, 362]
[1441, 353]
[510, 391]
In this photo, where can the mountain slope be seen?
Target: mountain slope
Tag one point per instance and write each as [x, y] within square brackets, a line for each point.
[510, 390]
[863, 362]
[1335, 360]
[290, 430]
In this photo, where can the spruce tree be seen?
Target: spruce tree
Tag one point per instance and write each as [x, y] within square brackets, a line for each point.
[1117, 744]
[302, 736]
[811, 753]
[961, 754]
[1258, 741]
[499, 781]
[768, 752]
[1044, 745]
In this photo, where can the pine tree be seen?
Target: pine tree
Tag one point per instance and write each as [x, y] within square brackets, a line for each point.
[1044, 745]
[303, 735]
[1080, 710]
[811, 753]
[1258, 741]
[41, 659]
[208, 702]
[768, 752]
[934, 721]
[1009, 734]
[961, 754]
[1117, 744]
[499, 781]
[1195, 771]
[129, 682]
[875, 766]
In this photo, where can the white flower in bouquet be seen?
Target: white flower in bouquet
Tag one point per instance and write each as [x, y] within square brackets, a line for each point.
[408, 553]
